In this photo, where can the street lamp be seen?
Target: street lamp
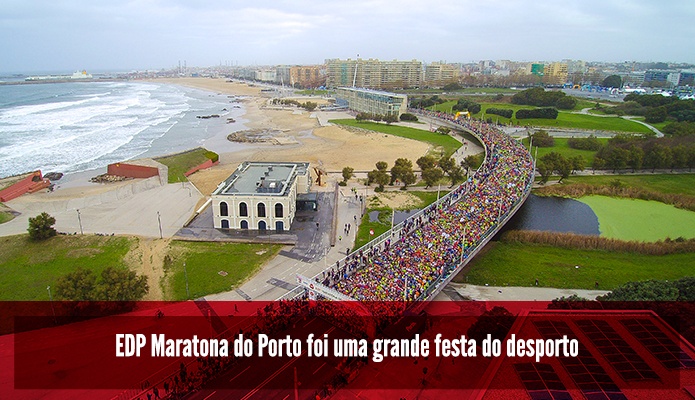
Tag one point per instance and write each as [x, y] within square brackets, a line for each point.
[185, 275]
[50, 298]
[159, 220]
[79, 219]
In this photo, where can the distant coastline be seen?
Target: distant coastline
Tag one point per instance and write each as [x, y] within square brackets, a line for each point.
[23, 82]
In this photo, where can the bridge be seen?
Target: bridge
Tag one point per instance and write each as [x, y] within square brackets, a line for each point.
[411, 263]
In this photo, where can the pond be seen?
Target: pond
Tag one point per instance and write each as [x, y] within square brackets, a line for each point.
[555, 214]
[400, 216]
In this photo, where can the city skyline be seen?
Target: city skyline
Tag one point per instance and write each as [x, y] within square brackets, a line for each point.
[47, 36]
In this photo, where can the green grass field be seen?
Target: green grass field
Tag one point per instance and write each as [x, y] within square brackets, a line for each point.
[517, 264]
[27, 268]
[633, 219]
[204, 262]
[565, 119]
[442, 143]
[562, 147]
[180, 163]
[5, 216]
[664, 183]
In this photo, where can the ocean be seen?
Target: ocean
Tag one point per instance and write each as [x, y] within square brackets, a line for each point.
[82, 126]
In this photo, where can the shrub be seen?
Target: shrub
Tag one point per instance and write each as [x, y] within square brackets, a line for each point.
[545, 113]
[501, 112]
[41, 227]
[541, 138]
[408, 117]
[588, 143]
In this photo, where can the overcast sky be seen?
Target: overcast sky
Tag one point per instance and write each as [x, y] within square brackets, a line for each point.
[58, 35]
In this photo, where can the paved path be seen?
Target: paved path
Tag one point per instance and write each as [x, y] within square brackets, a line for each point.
[496, 293]
[130, 209]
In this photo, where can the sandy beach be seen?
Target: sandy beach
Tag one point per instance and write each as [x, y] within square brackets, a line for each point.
[330, 147]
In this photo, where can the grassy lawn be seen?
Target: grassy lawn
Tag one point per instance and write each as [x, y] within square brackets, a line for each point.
[664, 183]
[444, 143]
[5, 216]
[564, 120]
[204, 262]
[379, 227]
[562, 147]
[634, 219]
[517, 264]
[27, 268]
[180, 163]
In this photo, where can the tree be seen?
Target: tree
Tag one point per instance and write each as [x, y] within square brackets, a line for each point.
[408, 178]
[443, 130]
[390, 118]
[446, 163]
[474, 160]
[41, 227]
[545, 170]
[426, 162]
[658, 156]
[409, 117]
[612, 81]
[401, 167]
[382, 166]
[616, 158]
[651, 290]
[635, 158]
[456, 175]
[310, 106]
[578, 163]
[679, 155]
[348, 173]
[556, 162]
[78, 285]
[432, 175]
[381, 179]
[496, 322]
[541, 138]
[656, 115]
[121, 285]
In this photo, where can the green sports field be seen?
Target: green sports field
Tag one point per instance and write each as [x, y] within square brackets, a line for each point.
[632, 219]
[520, 264]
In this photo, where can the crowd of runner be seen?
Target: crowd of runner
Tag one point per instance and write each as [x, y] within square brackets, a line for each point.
[431, 245]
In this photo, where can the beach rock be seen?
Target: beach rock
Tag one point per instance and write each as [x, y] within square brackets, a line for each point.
[106, 178]
[53, 176]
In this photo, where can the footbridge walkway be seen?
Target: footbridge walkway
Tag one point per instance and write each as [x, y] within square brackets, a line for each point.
[409, 265]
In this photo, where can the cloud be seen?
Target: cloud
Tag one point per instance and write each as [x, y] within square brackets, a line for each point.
[158, 33]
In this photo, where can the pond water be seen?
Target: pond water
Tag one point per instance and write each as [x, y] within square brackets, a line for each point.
[401, 215]
[555, 214]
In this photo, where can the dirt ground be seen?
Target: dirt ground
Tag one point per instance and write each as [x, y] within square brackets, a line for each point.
[147, 258]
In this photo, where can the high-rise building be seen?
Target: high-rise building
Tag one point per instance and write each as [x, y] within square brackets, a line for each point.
[555, 73]
[439, 74]
[309, 76]
[373, 73]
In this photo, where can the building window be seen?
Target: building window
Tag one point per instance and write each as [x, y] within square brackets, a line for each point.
[244, 224]
[279, 226]
[278, 210]
[243, 210]
[261, 210]
[262, 226]
[225, 224]
[224, 211]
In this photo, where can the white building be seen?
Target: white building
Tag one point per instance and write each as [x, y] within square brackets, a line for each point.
[372, 101]
[260, 196]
